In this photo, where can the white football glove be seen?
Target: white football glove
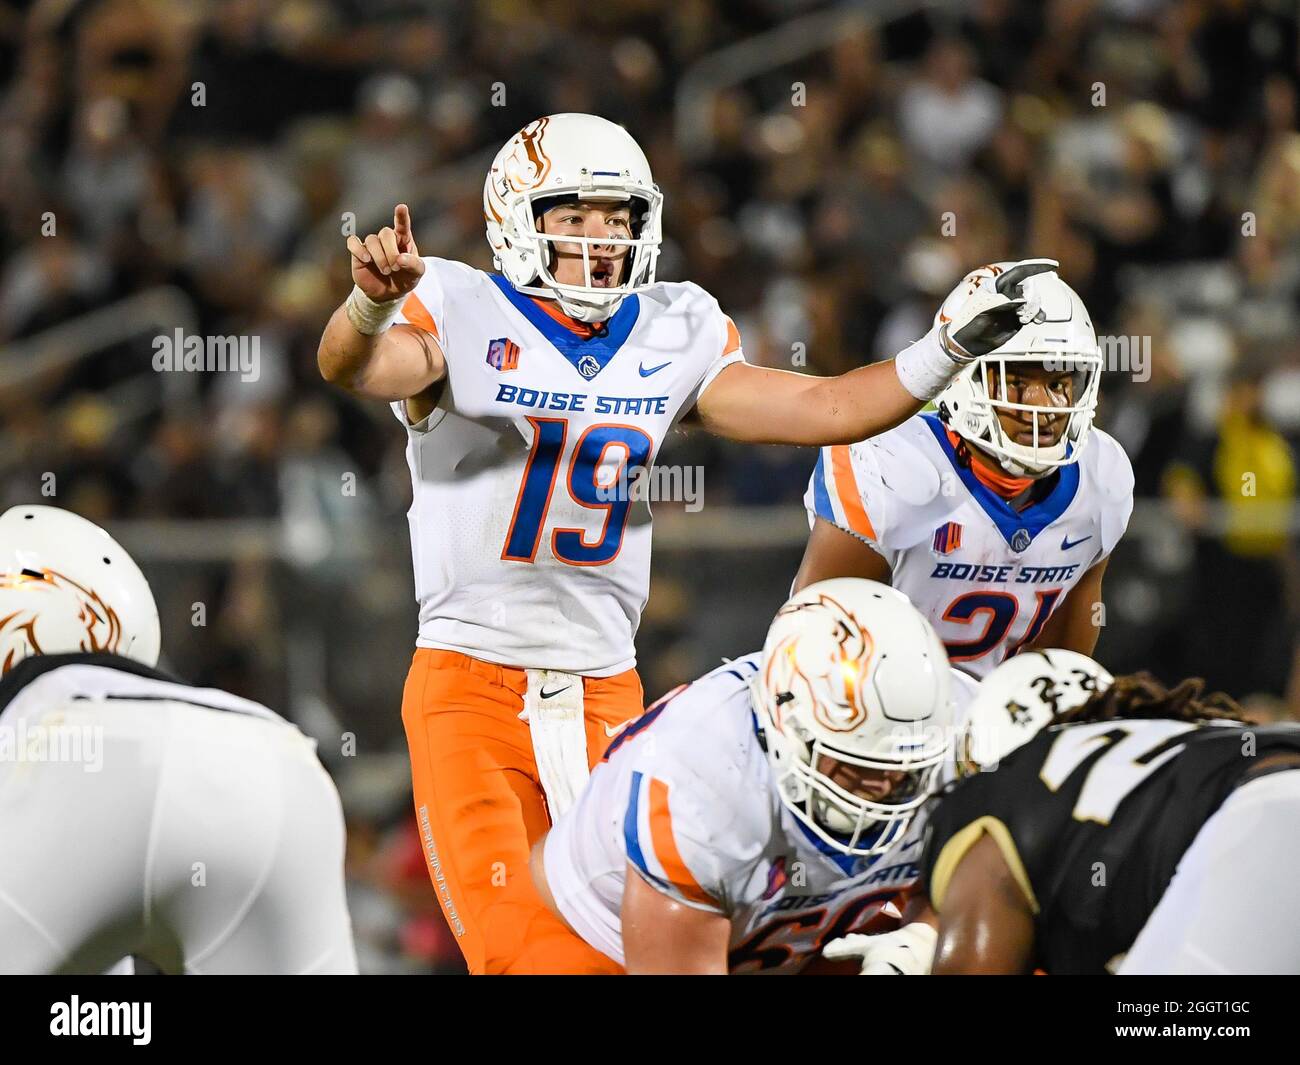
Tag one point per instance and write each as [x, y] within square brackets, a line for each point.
[909, 951]
[989, 307]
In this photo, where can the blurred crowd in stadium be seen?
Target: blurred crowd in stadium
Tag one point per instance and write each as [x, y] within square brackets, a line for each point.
[829, 202]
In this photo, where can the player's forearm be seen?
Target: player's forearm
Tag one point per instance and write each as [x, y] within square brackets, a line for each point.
[344, 354]
[1070, 630]
[854, 406]
[662, 936]
[757, 405]
[873, 399]
[396, 364]
[688, 945]
[1075, 624]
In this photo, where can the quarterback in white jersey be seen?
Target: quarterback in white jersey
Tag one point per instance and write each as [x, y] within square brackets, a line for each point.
[995, 516]
[534, 399]
[139, 815]
[766, 809]
[515, 543]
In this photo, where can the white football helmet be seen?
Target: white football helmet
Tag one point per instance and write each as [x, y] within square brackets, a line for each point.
[573, 157]
[66, 586]
[1059, 333]
[853, 672]
[1022, 697]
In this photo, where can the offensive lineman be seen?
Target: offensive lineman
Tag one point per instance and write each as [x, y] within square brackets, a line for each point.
[997, 515]
[140, 815]
[762, 811]
[529, 397]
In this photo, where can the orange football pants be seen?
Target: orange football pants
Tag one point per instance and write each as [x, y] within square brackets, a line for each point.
[480, 806]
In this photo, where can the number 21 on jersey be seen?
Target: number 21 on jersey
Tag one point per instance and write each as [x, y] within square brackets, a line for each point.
[586, 486]
[998, 611]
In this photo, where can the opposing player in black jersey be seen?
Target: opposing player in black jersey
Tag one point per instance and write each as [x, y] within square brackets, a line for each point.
[140, 815]
[1147, 831]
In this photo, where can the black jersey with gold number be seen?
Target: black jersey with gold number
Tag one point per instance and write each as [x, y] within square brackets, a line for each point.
[1093, 819]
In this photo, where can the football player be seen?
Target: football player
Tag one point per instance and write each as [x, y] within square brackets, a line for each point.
[997, 514]
[1123, 837]
[758, 813]
[993, 718]
[140, 815]
[530, 397]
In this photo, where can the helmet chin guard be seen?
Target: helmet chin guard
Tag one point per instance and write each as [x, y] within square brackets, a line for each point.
[1059, 338]
[571, 157]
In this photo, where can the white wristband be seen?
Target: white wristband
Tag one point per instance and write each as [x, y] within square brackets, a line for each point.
[369, 317]
[925, 368]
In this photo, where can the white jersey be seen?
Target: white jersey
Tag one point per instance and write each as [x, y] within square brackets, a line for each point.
[986, 576]
[526, 552]
[142, 816]
[686, 795]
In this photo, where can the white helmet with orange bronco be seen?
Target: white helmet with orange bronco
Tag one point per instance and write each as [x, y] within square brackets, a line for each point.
[853, 675]
[67, 586]
[1056, 331]
[561, 158]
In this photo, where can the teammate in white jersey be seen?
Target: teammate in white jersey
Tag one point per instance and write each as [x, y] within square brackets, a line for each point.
[139, 815]
[531, 399]
[753, 816]
[997, 515]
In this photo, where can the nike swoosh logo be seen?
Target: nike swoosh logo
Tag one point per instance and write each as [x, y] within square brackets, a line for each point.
[1066, 544]
[547, 695]
[909, 846]
[612, 732]
[653, 369]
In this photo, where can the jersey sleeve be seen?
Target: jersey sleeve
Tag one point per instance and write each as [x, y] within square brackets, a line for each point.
[423, 308]
[848, 490]
[1116, 476]
[955, 822]
[668, 839]
[693, 826]
[724, 347]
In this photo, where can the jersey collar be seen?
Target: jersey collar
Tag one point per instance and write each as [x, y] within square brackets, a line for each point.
[586, 354]
[1018, 528]
[848, 864]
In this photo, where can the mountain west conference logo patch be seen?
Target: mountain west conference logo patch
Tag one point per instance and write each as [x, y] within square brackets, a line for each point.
[947, 538]
[503, 354]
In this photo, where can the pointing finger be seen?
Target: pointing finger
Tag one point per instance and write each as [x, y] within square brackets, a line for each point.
[402, 226]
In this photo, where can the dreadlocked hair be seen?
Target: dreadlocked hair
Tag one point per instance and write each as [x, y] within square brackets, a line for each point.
[1140, 695]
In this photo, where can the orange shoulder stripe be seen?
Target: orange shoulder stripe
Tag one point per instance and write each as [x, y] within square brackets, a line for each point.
[733, 338]
[846, 487]
[661, 838]
[418, 314]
